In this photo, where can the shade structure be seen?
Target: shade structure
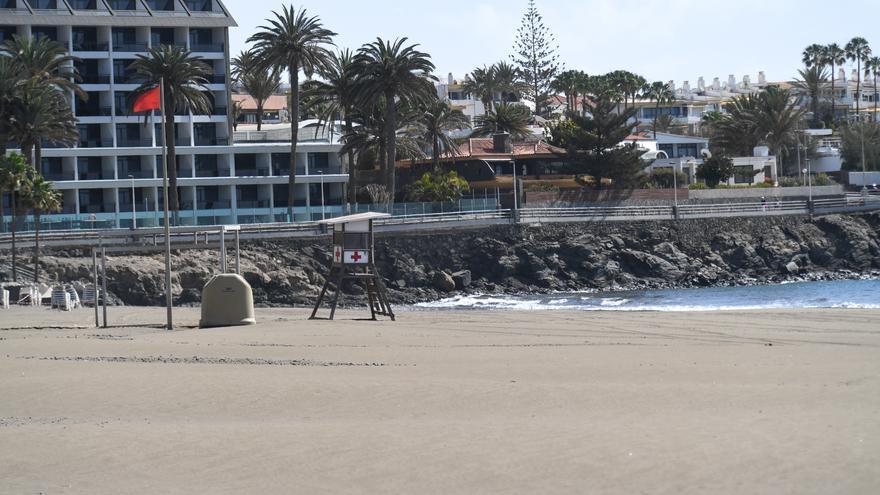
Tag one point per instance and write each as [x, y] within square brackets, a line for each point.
[227, 301]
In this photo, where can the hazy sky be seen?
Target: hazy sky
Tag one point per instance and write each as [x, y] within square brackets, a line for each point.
[662, 40]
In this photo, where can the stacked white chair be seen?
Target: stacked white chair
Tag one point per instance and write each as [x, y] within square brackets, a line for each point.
[74, 297]
[4, 299]
[90, 296]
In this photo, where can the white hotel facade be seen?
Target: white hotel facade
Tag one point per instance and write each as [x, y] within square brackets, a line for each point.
[220, 180]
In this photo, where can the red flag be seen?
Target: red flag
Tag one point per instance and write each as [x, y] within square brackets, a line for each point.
[151, 100]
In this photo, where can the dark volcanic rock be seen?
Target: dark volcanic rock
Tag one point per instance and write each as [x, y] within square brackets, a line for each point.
[509, 259]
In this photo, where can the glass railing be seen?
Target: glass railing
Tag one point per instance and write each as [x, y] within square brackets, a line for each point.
[94, 78]
[134, 143]
[212, 172]
[263, 203]
[129, 47]
[90, 46]
[206, 47]
[136, 174]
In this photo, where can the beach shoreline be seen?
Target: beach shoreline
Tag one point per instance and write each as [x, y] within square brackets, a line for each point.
[772, 401]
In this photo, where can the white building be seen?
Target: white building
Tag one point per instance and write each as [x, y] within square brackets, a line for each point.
[220, 181]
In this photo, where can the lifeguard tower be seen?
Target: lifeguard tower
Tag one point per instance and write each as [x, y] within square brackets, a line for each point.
[353, 251]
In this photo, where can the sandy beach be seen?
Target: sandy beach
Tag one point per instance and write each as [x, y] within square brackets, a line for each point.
[442, 402]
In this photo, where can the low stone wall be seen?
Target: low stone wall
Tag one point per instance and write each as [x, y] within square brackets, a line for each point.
[774, 192]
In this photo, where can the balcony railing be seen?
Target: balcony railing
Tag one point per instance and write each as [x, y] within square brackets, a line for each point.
[136, 174]
[95, 143]
[212, 141]
[216, 79]
[94, 78]
[59, 176]
[212, 172]
[206, 47]
[90, 46]
[134, 143]
[262, 203]
[102, 208]
[129, 47]
[126, 79]
[252, 172]
[93, 175]
[213, 205]
[140, 207]
[222, 111]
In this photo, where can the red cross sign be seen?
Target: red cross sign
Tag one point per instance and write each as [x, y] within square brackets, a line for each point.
[357, 257]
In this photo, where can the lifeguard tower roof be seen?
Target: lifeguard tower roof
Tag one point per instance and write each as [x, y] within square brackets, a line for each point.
[359, 217]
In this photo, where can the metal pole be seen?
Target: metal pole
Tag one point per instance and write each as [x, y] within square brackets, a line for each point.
[514, 184]
[95, 284]
[237, 254]
[104, 283]
[134, 225]
[168, 296]
[323, 216]
[864, 163]
[222, 250]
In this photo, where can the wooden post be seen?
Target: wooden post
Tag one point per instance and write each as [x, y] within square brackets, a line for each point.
[95, 284]
[104, 283]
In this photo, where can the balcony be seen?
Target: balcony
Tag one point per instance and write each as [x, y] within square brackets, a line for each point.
[212, 172]
[129, 47]
[59, 176]
[212, 141]
[97, 208]
[251, 204]
[139, 207]
[216, 79]
[207, 47]
[90, 46]
[134, 143]
[214, 205]
[95, 143]
[94, 78]
[252, 172]
[94, 175]
[135, 174]
[219, 111]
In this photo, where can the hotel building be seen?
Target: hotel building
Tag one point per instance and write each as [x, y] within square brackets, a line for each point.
[115, 170]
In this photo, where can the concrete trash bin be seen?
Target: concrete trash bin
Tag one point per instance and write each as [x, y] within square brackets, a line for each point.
[227, 301]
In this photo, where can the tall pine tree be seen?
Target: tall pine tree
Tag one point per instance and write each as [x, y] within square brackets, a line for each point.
[537, 55]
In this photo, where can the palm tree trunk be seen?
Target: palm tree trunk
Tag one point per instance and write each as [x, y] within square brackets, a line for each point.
[260, 115]
[875, 96]
[858, 89]
[38, 156]
[293, 65]
[2, 213]
[36, 246]
[171, 150]
[27, 149]
[352, 169]
[656, 114]
[436, 152]
[390, 144]
[833, 110]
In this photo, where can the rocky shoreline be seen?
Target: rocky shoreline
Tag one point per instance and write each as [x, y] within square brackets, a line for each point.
[524, 259]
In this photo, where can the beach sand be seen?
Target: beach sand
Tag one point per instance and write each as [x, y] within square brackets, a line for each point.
[442, 402]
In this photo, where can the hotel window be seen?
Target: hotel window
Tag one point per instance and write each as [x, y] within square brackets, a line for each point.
[161, 4]
[50, 32]
[162, 36]
[123, 4]
[83, 4]
[6, 32]
[687, 150]
[85, 38]
[199, 5]
[44, 4]
[7, 4]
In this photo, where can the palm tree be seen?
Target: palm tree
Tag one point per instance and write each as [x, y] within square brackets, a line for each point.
[508, 81]
[872, 69]
[857, 50]
[660, 93]
[42, 113]
[259, 84]
[41, 196]
[510, 118]
[481, 84]
[834, 56]
[293, 41]
[10, 83]
[396, 73]
[46, 63]
[814, 56]
[14, 174]
[337, 92]
[184, 77]
[568, 83]
[777, 119]
[811, 84]
[440, 118]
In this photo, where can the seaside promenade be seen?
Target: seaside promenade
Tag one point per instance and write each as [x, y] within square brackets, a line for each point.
[442, 402]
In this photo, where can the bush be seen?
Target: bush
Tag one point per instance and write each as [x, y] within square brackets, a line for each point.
[716, 170]
[789, 182]
[540, 187]
[662, 178]
[698, 186]
[822, 179]
[762, 185]
[438, 187]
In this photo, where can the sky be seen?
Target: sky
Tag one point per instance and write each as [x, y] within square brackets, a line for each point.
[662, 40]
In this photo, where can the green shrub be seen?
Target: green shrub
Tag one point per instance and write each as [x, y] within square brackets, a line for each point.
[698, 186]
[822, 179]
[540, 187]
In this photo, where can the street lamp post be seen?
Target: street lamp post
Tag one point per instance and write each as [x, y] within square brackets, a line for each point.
[323, 216]
[133, 207]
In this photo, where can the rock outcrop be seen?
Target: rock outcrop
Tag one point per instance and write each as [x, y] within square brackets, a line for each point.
[512, 259]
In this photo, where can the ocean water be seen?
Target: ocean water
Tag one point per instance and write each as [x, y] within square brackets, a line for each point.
[864, 294]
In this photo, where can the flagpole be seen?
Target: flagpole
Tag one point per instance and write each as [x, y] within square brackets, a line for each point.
[168, 296]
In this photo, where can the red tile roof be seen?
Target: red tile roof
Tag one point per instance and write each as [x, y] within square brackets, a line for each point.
[275, 102]
[484, 148]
